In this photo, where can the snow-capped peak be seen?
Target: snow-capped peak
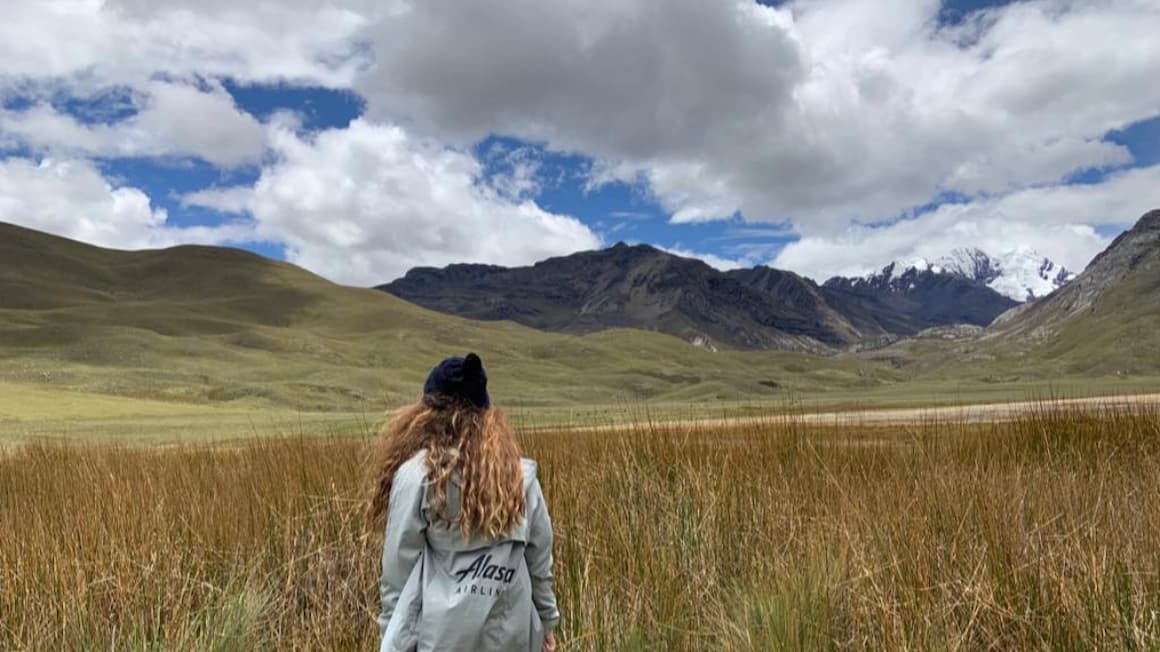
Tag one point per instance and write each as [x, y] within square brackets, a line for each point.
[897, 269]
[968, 263]
[1026, 275]
[1021, 274]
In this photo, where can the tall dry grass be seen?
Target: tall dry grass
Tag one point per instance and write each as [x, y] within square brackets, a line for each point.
[1042, 533]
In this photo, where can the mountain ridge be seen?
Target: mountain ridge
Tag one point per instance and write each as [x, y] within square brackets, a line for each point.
[640, 286]
[624, 286]
[1020, 274]
[1132, 258]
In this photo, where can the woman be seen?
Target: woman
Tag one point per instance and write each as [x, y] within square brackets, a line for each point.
[467, 561]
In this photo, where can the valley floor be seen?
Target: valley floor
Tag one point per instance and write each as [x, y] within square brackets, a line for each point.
[968, 413]
[30, 411]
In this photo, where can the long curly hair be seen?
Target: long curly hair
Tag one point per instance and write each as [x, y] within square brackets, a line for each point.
[475, 447]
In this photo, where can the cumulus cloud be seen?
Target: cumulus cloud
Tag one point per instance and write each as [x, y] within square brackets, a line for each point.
[150, 48]
[1056, 221]
[609, 77]
[821, 111]
[170, 119]
[721, 263]
[818, 113]
[363, 205]
[98, 43]
[72, 199]
[515, 172]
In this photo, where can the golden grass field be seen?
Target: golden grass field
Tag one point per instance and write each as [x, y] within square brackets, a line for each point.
[1040, 533]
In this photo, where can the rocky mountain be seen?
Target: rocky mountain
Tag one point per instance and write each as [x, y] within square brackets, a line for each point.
[626, 287]
[1103, 323]
[908, 300]
[646, 288]
[1020, 274]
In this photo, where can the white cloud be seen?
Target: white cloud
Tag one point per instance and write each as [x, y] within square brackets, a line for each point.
[821, 111]
[610, 77]
[172, 119]
[363, 205]
[713, 260]
[80, 48]
[515, 172]
[234, 200]
[1056, 221]
[98, 43]
[73, 199]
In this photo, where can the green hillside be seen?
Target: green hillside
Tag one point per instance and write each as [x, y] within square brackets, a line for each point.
[205, 325]
[1106, 321]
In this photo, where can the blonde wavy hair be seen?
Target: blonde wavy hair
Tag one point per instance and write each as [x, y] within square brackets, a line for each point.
[475, 445]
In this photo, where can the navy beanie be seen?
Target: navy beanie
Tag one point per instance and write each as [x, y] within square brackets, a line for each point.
[459, 378]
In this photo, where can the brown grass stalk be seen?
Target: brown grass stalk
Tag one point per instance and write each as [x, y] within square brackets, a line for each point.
[1039, 533]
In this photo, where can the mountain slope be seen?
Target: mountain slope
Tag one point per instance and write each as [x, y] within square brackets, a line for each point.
[920, 298]
[1107, 319]
[40, 272]
[1104, 323]
[631, 287]
[224, 326]
[803, 300]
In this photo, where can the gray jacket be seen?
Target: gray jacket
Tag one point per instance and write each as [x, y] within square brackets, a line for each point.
[440, 592]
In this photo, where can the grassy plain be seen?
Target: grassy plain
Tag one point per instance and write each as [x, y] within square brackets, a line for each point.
[39, 411]
[1036, 534]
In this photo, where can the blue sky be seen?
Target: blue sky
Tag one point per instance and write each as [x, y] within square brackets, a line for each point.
[361, 147]
[618, 211]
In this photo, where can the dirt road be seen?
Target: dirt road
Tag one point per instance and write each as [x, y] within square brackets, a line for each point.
[977, 413]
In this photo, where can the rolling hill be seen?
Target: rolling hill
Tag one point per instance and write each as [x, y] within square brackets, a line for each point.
[224, 326]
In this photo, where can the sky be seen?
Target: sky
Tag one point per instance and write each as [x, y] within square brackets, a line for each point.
[361, 138]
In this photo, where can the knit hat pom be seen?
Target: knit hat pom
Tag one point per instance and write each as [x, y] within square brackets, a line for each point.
[459, 378]
[472, 365]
